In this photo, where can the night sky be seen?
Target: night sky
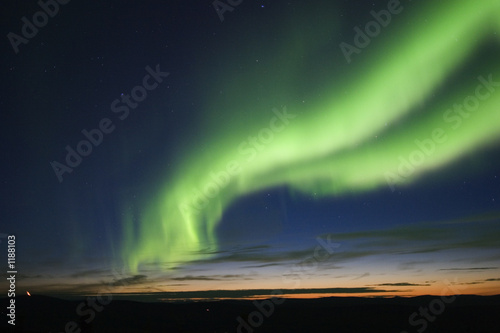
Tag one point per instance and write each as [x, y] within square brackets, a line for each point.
[334, 148]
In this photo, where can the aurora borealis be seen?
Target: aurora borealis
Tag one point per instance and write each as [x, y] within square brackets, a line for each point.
[325, 150]
[263, 143]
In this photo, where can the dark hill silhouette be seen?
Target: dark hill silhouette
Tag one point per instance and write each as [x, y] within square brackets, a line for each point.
[478, 314]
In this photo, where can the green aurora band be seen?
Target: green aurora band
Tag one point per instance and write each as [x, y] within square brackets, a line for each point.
[345, 143]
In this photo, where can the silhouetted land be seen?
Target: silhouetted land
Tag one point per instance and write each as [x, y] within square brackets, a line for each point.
[464, 314]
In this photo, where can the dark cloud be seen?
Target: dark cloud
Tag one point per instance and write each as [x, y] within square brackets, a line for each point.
[477, 232]
[489, 216]
[403, 284]
[468, 269]
[136, 279]
[263, 265]
[208, 278]
[412, 265]
[362, 276]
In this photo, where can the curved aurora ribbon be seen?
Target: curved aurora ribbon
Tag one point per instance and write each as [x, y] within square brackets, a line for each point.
[342, 144]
